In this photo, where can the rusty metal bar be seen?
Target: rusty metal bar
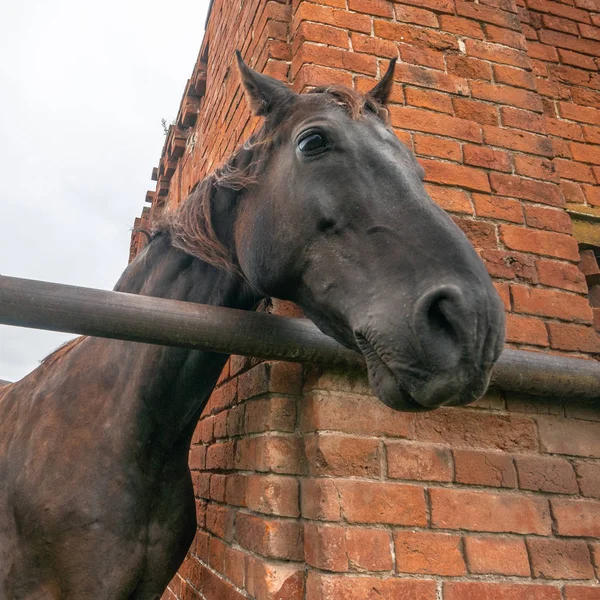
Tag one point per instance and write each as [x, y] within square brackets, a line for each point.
[42, 305]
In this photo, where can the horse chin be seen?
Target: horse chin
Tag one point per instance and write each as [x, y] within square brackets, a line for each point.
[442, 390]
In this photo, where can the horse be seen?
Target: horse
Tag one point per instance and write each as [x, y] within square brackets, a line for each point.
[322, 206]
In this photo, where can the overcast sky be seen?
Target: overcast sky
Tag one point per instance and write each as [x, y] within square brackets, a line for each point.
[83, 89]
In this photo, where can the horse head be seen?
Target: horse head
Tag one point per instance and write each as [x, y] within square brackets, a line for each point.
[333, 215]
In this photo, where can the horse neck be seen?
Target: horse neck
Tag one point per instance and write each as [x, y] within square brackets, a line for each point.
[168, 386]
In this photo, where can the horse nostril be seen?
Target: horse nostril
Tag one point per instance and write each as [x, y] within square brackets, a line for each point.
[440, 320]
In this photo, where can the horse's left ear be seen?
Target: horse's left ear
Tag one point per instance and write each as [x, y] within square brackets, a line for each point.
[264, 93]
[381, 92]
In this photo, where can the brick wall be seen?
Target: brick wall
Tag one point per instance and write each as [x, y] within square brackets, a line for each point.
[306, 485]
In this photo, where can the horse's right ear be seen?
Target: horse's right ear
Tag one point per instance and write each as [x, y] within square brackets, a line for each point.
[264, 94]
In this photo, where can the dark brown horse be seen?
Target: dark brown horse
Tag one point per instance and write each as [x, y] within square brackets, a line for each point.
[324, 207]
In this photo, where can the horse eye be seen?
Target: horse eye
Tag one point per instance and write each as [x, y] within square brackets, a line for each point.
[313, 143]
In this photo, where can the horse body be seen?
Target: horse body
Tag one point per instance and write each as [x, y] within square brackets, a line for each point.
[323, 207]
[101, 478]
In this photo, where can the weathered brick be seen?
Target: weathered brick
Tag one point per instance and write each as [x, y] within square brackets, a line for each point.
[546, 243]
[560, 559]
[485, 511]
[566, 336]
[522, 141]
[484, 468]
[428, 553]
[588, 477]
[497, 207]
[426, 145]
[489, 158]
[450, 174]
[480, 590]
[423, 120]
[546, 474]
[343, 455]
[370, 502]
[550, 303]
[551, 219]
[497, 555]
[569, 436]
[272, 538]
[423, 462]
[320, 586]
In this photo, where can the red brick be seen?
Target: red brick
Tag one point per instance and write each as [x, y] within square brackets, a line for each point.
[560, 559]
[470, 68]
[450, 174]
[429, 99]
[565, 336]
[368, 549]
[482, 235]
[329, 16]
[423, 120]
[570, 436]
[197, 459]
[485, 511]
[588, 476]
[481, 590]
[421, 462]
[319, 500]
[592, 193]
[220, 424]
[569, 169]
[315, 75]
[461, 26]
[580, 592]
[564, 129]
[577, 60]
[343, 455]
[270, 414]
[504, 293]
[372, 45]
[409, 14]
[482, 156]
[578, 113]
[432, 146]
[472, 110]
[335, 548]
[450, 199]
[272, 538]
[279, 454]
[522, 119]
[219, 521]
[325, 547]
[551, 219]
[234, 566]
[497, 556]
[563, 40]
[320, 586]
[560, 24]
[353, 414]
[497, 207]
[273, 581]
[518, 140]
[273, 494]
[381, 8]
[503, 94]
[321, 34]
[428, 553]
[540, 242]
[427, 78]
[487, 15]
[371, 502]
[561, 275]
[591, 134]
[572, 192]
[474, 429]
[538, 168]
[526, 330]
[484, 468]
[514, 77]
[550, 303]
[211, 586]
[444, 6]
[220, 456]
[418, 36]
[546, 474]
[510, 265]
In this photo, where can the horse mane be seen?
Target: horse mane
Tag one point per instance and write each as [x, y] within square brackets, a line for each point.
[63, 349]
[191, 226]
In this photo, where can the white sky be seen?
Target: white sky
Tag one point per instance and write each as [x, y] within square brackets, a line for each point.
[83, 89]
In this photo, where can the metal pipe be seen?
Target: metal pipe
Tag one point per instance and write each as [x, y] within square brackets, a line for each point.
[131, 317]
